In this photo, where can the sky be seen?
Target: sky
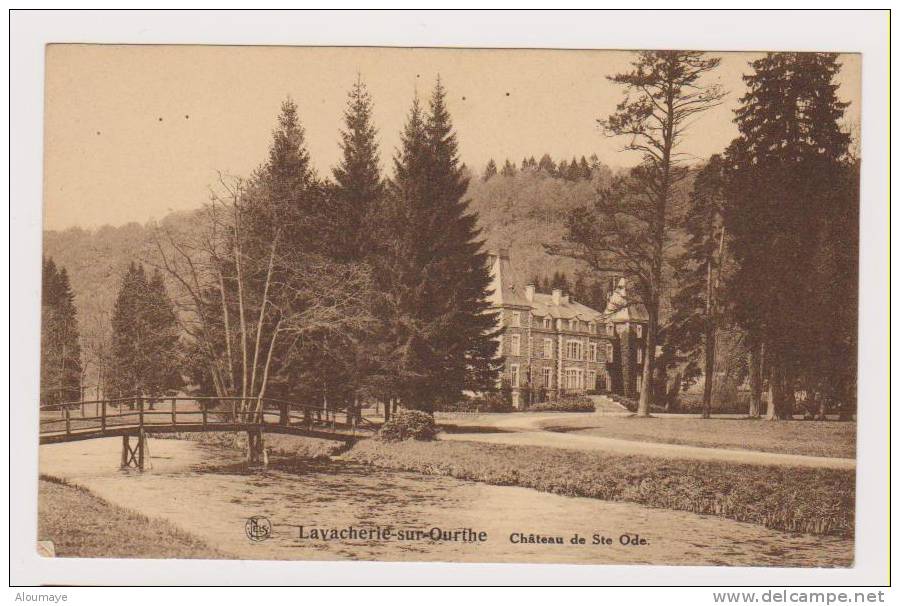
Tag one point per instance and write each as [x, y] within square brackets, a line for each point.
[133, 133]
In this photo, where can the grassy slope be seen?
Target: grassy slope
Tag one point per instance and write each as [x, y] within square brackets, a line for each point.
[819, 501]
[819, 438]
[83, 525]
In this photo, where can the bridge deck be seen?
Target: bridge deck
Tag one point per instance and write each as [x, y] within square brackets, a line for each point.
[107, 418]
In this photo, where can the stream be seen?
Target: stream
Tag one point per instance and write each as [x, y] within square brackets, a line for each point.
[209, 492]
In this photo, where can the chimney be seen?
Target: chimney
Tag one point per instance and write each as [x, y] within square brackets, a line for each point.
[557, 295]
[529, 292]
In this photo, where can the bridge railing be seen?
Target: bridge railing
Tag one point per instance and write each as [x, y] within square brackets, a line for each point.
[212, 412]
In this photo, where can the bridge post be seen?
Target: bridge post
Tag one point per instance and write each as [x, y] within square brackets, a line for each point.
[68, 420]
[203, 411]
[141, 411]
[103, 416]
[133, 456]
[142, 442]
[284, 414]
[173, 413]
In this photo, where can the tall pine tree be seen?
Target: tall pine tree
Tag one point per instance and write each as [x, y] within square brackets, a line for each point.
[61, 369]
[358, 185]
[697, 302]
[792, 208]
[145, 348]
[437, 271]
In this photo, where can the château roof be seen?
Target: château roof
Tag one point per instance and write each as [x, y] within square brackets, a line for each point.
[619, 310]
[506, 293]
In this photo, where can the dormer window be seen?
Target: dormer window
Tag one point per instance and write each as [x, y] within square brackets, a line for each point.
[592, 327]
[610, 329]
[548, 323]
[573, 324]
[639, 331]
[516, 319]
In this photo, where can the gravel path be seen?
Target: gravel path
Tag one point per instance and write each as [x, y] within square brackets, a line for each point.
[527, 429]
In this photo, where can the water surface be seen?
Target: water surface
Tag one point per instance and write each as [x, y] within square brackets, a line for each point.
[210, 493]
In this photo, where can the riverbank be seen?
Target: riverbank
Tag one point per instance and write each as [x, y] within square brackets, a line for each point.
[816, 501]
[81, 524]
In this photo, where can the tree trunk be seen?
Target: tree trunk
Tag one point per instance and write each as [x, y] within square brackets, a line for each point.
[709, 368]
[775, 410]
[756, 383]
[789, 399]
[643, 409]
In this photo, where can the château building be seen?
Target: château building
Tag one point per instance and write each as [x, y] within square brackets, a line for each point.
[553, 345]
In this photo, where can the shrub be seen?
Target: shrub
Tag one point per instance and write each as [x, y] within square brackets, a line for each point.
[408, 424]
[566, 404]
[491, 402]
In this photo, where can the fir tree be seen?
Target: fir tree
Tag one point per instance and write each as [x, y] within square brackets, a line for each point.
[508, 170]
[438, 271]
[547, 165]
[145, 347]
[490, 170]
[573, 171]
[61, 369]
[584, 168]
[358, 184]
[697, 302]
[792, 205]
[129, 365]
[164, 362]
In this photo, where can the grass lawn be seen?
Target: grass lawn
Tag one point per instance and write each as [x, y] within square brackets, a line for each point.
[83, 525]
[817, 438]
[820, 501]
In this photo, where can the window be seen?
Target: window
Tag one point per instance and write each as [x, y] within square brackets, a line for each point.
[610, 329]
[573, 324]
[574, 378]
[548, 349]
[515, 345]
[516, 319]
[639, 382]
[591, 380]
[547, 377]
[609, 352]
[640, 355]
[592, 327]
[514, 375]
[548, 323]
[593, 350]
[639, 331]
[574, 350]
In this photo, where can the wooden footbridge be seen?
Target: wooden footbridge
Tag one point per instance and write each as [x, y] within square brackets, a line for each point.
[139, 417]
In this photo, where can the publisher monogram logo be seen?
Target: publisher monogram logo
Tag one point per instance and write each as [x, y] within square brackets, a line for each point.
[258, 528]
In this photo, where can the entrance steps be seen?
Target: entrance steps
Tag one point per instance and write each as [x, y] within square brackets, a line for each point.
[606, 403]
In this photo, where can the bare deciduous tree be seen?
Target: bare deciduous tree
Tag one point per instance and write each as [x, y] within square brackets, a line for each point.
[223, 268]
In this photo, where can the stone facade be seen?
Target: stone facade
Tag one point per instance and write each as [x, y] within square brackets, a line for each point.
[553, 345]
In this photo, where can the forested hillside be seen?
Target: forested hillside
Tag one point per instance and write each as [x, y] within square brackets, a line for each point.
[96, 261]
[523, 208]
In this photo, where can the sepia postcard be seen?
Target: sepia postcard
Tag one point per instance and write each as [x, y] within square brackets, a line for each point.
[460, 305]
